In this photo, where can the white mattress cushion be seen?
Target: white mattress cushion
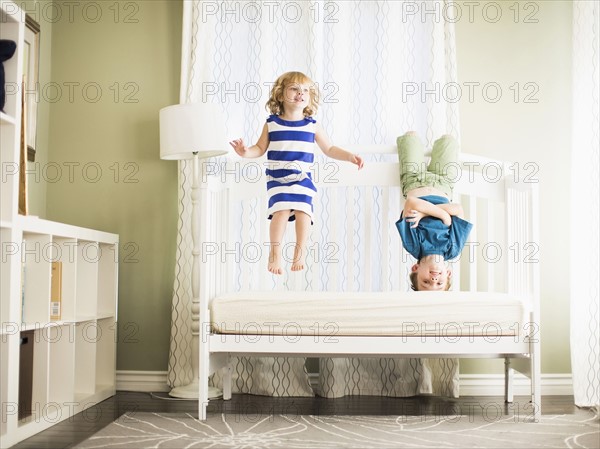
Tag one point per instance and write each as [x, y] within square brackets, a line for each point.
[368, 313]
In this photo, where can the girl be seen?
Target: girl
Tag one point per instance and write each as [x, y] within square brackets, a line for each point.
[289, 136]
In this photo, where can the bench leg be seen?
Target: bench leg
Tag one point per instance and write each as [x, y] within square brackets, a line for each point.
[227, 381]
[536, 384]
[509, 375]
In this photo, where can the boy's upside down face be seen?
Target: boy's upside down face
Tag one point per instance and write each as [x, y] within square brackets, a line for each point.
[431, 273]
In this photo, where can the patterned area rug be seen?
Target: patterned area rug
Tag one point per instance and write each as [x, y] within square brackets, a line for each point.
[182, 430]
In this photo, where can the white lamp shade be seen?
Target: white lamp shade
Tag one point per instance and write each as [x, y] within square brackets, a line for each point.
[192, 127]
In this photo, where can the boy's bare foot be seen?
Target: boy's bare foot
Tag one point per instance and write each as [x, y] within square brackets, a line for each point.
[274, 265]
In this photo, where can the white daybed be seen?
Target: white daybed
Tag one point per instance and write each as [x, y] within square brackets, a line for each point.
[353, 299]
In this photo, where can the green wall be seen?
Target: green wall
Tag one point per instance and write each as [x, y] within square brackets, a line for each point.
[115, 67]
[526, 52]
[36, 187]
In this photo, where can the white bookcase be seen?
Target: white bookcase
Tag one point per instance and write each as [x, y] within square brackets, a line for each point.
[74, 357]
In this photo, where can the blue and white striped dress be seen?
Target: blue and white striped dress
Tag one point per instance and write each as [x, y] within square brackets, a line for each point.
[289, 173]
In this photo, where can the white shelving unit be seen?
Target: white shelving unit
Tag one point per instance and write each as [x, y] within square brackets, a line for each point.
[74, 358]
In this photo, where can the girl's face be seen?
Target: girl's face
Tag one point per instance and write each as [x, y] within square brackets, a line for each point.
[296, 96]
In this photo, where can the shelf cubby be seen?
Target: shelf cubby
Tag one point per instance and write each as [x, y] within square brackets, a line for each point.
[65, 251]
[12, 29]
[10, 269]
[39, 396]
[88, 256]
[107, 280]
[61, 363]
[106, 354]
[12, 21]
[36, 258]
[9, 135]
[5, 398]
[86, 337]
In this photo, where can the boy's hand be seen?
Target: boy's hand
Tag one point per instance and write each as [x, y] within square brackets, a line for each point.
[447, 220]
[416, 209]
[414, 217]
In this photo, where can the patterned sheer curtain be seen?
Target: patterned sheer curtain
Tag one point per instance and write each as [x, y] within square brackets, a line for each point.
[585, 189]
[383, 68]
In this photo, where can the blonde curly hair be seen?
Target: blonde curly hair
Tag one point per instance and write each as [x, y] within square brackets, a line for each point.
[275, 103]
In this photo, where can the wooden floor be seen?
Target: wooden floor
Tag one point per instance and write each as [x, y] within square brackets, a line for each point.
[81, 426]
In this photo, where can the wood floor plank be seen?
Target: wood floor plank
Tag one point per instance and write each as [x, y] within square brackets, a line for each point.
[85, 424]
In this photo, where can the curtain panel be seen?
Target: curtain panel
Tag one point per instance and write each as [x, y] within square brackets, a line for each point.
[383, 68]
[585, 190]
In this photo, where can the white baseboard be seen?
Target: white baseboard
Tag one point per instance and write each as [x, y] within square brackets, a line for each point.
[470, 384]
[493, 385]
[148, 381]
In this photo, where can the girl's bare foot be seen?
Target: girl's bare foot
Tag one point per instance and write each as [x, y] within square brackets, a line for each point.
[274, 265]
[299, 259]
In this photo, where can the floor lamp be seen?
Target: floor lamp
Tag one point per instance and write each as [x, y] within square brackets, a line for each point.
[193, 131]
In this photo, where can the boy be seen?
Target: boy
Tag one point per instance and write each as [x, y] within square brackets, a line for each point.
[432, 228]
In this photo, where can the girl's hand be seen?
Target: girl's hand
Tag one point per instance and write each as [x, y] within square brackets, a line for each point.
[357, 160]
[239, 147]
[414, 217]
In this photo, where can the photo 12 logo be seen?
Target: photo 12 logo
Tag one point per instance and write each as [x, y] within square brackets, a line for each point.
[36, 251]
[472, 11]
[269, 12]
[75, 11]
[255, 92]
[470, 91]
[77, 92]
[74, 172]
[254, 172]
